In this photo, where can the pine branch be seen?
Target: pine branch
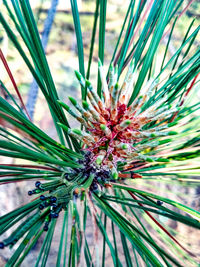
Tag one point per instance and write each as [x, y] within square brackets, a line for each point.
[33, 91]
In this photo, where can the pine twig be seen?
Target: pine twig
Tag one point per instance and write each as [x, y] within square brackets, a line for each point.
[33, 92]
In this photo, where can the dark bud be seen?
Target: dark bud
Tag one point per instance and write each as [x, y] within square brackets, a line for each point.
[95, 187]
[80, 161]
[41, 207]
[53, 199]
[87, 158]
[51, 215]
[159, 203]
[66, 175]
[46, 223]
[46, 204]
[42, 197]
[55, 215]
[92, 169]
[45, 228]
[97, 174]
[105, 174]
[37, 184]
[88, 154]
[54, 205]
[2, 245]
[103, 179]
[30, 193]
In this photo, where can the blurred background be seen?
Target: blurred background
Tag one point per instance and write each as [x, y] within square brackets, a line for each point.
[61, 53]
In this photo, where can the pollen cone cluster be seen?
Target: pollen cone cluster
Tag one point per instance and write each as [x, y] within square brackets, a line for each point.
[119, 134]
